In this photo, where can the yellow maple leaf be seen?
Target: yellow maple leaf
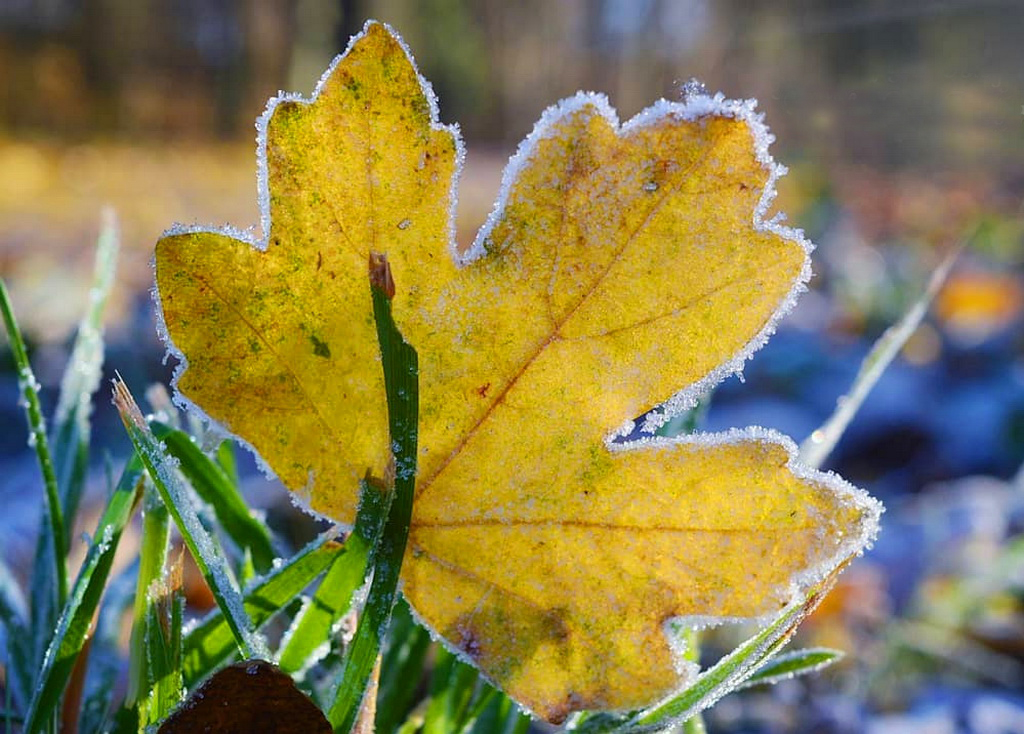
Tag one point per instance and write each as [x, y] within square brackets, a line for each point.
[623, 266]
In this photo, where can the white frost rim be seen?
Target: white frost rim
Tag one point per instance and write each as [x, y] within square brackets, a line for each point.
[695, 105]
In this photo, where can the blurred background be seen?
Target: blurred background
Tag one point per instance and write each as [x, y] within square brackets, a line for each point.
[901, 123]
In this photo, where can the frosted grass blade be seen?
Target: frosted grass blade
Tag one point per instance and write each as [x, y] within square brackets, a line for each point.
[816, 448]
[720, 679]
[175, 494]
[76, 618]
[211, 642]
[333, 598]
[225, 457]
[500, 715]
[152, 560]
[401, 669]
[163, 646]
[732, 670]
[451, 691]
[105, 657]
[215, 487]
[791, 664]
[81, 378]
[401, 384]
[29, 389]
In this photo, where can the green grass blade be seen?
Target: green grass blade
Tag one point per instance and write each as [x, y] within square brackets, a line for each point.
[401, 384]
[437, 716]
[81, 379]
[152, 561]
[175, 494]
[452, 686]
[225, 458]
[816, 448]
[411, 726]
[727, 674]
[499, 715]
[516, 720]
[401, 669]
[29, 389]
[216, 488]
[481, 700]
[723, 677]
[18, 666]
[163, 646]
[71, 460]
[105, 657]
[345, 576]
[211, 642]
[791, 664]
[73, 626]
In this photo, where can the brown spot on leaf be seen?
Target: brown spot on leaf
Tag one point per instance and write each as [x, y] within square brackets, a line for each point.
[560, 712]
[501, 642]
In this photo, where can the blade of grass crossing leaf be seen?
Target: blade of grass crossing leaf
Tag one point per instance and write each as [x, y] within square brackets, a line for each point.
[81, 379]
[175, 495]
[402, 668]
[152, 560]
[313, 626]
[211, 641]
[77, 615]
[29, 390]
[401, 385]
[791, 664]
[816, 448]
[216, 488]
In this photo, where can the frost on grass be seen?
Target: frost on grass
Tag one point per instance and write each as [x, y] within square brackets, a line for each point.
[28, 390]
[82, 376]
[182, 504]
